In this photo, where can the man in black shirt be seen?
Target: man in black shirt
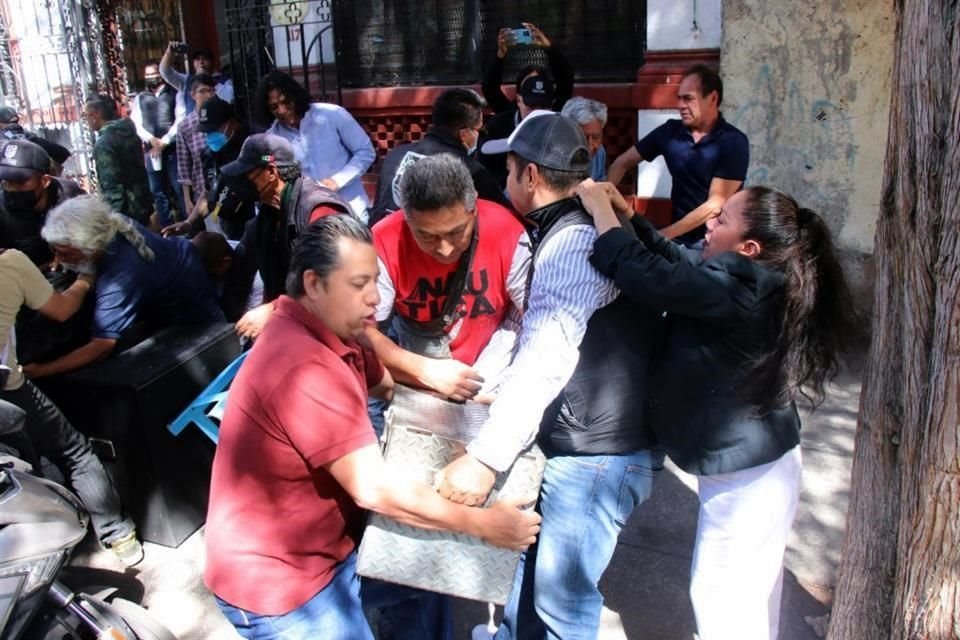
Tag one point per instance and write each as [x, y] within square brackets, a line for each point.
[455, 129]
[29, 192]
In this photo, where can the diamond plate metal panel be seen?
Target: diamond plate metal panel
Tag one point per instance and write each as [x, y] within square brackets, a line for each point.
[424, 434]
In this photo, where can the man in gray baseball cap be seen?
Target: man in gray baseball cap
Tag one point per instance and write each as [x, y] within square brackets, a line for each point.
[29, 192]
[576, 387]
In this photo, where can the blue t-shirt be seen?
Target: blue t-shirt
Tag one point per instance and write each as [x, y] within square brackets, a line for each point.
[723, 153]
[173, 289]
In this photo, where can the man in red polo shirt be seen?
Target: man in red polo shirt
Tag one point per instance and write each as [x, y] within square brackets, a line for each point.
[298, 460]
[453, 274]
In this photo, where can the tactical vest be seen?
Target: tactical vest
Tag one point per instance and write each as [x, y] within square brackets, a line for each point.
[277, 230]
[159, 112]
[601, 409]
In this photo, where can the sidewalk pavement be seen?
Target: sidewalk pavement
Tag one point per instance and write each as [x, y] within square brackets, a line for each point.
[645, 586]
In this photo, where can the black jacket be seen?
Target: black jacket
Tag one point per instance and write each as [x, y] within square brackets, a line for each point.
[274, 231]
[436, 141]
[20, 229]
[600, 410]
[502, 124]
[721, 314]
[560, 69]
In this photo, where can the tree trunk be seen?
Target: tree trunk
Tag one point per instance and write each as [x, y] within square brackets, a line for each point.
[900, 574]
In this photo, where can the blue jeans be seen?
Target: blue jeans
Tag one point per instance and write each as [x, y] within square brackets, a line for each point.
[584, 501]
[161, 181]
[336, 613]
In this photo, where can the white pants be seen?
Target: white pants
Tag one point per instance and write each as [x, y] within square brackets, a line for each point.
[737, 572]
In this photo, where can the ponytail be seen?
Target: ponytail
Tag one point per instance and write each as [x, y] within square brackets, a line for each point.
[818, 321]
[88, 224]
[125, 228]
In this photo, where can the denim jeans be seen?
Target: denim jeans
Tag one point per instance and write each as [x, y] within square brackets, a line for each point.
[54, 438]
[162, 180]
[336, 613]
[584, 501]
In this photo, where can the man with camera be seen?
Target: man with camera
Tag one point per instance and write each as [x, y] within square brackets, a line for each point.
[203, 63]
[550, 90]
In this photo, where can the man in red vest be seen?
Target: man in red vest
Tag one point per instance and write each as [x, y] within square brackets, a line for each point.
[453, 275]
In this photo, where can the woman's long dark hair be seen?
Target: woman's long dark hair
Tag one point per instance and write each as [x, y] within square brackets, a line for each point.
[819, 322]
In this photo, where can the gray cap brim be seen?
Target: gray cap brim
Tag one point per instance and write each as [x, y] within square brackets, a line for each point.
[493, 147]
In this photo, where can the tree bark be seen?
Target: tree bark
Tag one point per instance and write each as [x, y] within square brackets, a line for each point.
[900, 574]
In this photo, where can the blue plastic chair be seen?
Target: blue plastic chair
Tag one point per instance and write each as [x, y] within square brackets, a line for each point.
[209, 401]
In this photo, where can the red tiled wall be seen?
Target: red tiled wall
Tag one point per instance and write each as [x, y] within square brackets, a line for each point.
[397, 115]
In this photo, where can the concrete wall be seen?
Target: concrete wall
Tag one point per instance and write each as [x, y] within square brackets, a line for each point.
[810, 85]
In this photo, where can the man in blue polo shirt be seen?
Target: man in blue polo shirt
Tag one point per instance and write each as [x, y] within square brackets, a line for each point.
[707, 156]
[140, 277]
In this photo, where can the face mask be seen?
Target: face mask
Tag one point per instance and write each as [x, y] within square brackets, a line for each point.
[21, 200]
[83, 268]
[153, 83]
[216, 140]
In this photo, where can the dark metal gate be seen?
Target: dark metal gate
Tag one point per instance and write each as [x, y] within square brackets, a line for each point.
[295, 36]
[55, 54]
[52, 58]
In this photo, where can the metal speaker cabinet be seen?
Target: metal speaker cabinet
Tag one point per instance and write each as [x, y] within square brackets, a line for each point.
[423, 434]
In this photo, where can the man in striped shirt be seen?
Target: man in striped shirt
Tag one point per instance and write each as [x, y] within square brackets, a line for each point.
[576, 384]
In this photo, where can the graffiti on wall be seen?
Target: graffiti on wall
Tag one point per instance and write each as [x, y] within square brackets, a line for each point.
[798, 143]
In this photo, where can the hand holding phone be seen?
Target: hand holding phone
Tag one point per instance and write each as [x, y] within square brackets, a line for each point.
[522, 36]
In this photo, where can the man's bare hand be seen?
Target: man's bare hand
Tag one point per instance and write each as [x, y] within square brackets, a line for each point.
[505, 525]
[466, 480]
[504, 41]
[330, 184]
[540, 39]
[253, 321]
[452, 378]
[176, 229]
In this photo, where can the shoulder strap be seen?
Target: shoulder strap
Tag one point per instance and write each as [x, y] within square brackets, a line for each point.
[448, 315]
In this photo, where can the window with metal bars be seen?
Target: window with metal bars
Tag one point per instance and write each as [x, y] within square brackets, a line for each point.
[397, 42]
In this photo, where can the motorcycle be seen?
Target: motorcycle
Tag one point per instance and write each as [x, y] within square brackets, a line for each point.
[41, 522]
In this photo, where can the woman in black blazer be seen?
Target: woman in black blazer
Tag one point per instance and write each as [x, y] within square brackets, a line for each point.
[756, 318]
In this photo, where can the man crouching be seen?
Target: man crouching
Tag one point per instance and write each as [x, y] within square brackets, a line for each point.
[298, 460]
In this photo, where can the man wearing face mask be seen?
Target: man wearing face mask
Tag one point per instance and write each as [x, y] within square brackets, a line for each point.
[117, 154]
[11, 129]
[455, 128]
[157, 119]
[267, 173]
[224, 134]
[28, 194]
